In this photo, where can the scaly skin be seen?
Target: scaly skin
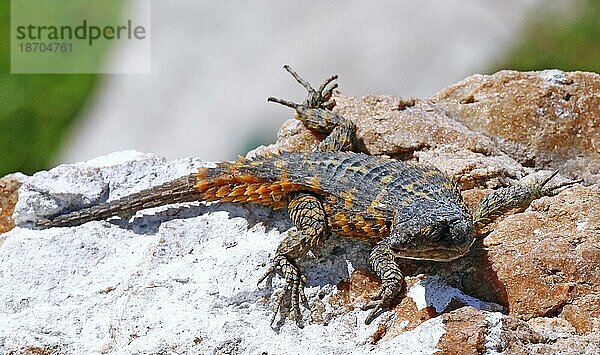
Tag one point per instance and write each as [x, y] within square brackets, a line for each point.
[406, 210]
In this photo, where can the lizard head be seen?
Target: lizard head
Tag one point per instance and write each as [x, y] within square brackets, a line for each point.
[432, 237]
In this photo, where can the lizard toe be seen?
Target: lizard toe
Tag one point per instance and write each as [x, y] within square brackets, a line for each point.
[292, 295]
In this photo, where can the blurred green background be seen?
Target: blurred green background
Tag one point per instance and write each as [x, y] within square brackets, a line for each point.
[37, 111]
[566, 39]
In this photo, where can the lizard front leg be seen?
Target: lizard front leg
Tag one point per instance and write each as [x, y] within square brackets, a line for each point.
[383, 262]
[516, 197]
[308, 215]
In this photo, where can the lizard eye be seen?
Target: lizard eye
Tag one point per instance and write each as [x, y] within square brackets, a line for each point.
[461, 231]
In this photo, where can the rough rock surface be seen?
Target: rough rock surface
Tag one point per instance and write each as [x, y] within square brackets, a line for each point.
[9, 185]
[545, 119]
[182, 278]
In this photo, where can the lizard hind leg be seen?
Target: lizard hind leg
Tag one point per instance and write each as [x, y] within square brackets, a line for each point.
[341, 138]
[308, 215]
[316, 114]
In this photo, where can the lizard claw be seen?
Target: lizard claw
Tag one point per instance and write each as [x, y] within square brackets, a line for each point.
[382, 301]
[543, 189]
[377, 308]
[290, 297]
[320, 98]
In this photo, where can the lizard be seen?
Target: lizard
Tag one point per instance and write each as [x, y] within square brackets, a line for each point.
[405, 209]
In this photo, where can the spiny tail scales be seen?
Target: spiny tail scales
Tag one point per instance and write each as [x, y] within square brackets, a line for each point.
[227, 182]
[175, 191]
[259, 181]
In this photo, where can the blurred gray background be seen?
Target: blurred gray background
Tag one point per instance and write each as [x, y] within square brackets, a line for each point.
[214, 63]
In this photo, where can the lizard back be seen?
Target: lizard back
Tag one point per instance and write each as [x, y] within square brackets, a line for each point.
[359, 192]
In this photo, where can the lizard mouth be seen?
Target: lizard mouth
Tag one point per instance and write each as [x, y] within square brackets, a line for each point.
[434, 254]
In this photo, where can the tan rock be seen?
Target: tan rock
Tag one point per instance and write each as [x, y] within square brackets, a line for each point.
[471, 331]
[8, 198]
[561, 338]
[472, 169]
[547, 258]
[545, 119]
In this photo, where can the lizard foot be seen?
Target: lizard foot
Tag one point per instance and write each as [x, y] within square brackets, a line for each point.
[317, 99]
[292, 294]
[382, 301]
[543, 189]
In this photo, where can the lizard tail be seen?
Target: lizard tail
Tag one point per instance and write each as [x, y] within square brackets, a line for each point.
[256, 182]
[174, 191]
